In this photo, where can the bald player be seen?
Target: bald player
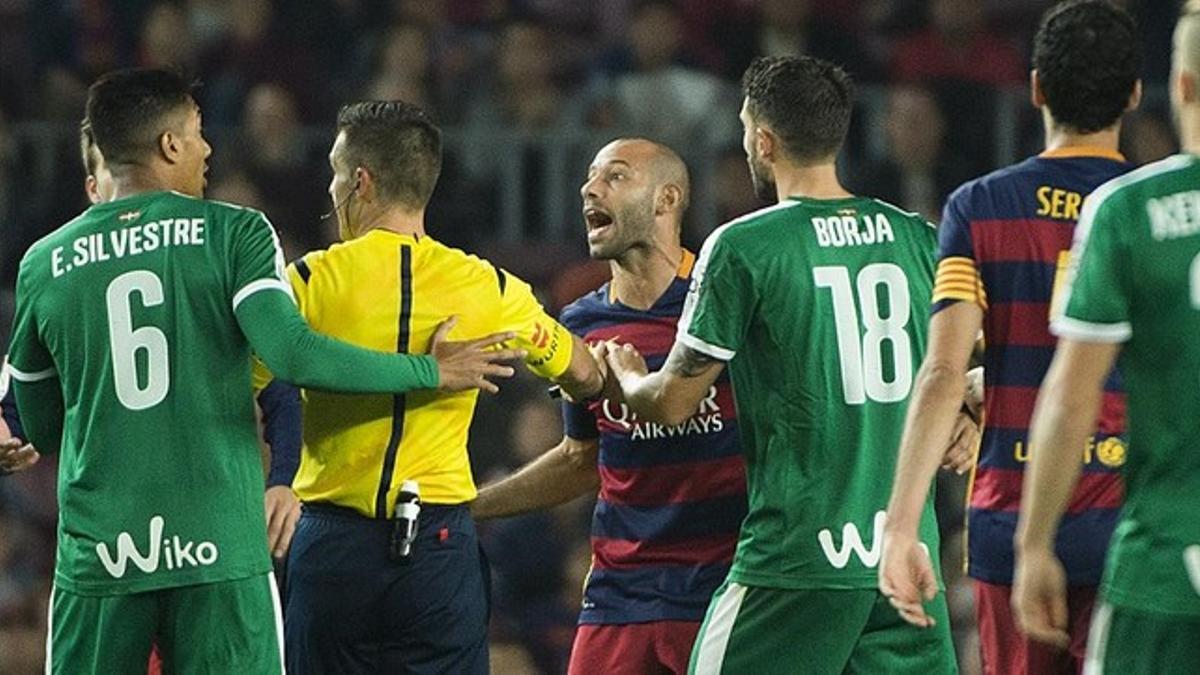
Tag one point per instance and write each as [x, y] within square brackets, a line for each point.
[1134, 292]
[671, 498]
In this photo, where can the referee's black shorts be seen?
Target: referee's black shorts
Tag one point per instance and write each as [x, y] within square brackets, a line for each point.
[350, 608]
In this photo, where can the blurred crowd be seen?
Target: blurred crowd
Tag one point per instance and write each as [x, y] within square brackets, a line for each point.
[526, 91]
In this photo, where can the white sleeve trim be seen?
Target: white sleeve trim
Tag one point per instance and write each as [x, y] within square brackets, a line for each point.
[22, 376]
[260, 285]
[693, 342]
[1086, 331]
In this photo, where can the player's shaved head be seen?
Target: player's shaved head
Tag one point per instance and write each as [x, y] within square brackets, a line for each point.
[635, 195]
[665, 165]
[1187, 38]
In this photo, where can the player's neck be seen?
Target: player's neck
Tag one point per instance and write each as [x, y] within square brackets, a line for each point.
[815, 181]
[134, 180]
[1059, 137]
[642, 275]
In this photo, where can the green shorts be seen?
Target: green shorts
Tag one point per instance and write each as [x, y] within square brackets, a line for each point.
[760, 631]
[1129, 642]
[222, 627]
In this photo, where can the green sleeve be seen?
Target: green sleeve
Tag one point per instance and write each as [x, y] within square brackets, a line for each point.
[1096, 305]
[35, 383]
[296, 353]
[720, 302]
[41, 407]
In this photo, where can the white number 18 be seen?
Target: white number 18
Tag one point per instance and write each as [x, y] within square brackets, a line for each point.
[861, 352]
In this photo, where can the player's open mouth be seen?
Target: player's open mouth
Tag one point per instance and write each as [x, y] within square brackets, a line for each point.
[597, 221]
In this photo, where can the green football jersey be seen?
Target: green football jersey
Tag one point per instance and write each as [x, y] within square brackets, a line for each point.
[820, 308]
[1137, 281]
[131, 305]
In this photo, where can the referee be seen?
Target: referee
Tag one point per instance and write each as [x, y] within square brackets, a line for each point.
[363, 596]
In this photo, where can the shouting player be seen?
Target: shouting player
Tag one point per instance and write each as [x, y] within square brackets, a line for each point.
[671, 498]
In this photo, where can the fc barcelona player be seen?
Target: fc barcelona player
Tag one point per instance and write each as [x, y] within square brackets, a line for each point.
[1003, 247]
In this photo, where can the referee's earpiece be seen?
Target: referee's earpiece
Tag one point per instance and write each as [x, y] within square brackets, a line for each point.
[337, 207]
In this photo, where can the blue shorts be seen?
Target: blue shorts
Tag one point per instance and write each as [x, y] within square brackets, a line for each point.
[352, 608]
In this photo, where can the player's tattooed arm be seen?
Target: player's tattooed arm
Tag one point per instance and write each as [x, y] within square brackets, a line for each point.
[670, 395]
[684, 361]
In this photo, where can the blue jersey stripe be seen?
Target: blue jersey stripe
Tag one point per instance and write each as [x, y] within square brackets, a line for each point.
[682, 521]
[615, 596]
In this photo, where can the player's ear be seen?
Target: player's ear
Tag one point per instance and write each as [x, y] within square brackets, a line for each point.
[1135, 96]
[1187, 84]
[1036, 96]
[670, 197]
[765, 142]
[168, 145]
[365, 183]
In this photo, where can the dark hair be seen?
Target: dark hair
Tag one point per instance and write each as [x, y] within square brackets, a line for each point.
[1087, 57]
[128, 110]
[87, 147]
[804, 100]
[398, 144]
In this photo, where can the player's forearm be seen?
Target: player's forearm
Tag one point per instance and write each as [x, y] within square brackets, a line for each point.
[297, 354]
[560, 475]
[649, 397]
[937, 397]
[41, 408]
[280, 404]
[1063, 418]
[583, 379]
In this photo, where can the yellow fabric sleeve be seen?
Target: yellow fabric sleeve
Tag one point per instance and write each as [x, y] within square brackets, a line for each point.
[549, 344]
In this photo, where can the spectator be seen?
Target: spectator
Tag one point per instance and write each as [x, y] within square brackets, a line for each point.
[919, 171]
[658, 95]
[277, 157]
[166, 40]
[794, 27]
[958, 45]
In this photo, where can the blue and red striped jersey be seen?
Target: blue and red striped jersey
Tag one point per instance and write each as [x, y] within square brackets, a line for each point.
[1004, 244]
[672, 498]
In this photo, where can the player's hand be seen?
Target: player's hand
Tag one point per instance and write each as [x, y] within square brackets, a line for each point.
[964, 441]
[906, 577]
[1039, 597]
[17, 455]
[468, 364]
[283, 512]
[625, 360]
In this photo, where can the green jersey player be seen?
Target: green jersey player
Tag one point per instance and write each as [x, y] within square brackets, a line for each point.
[131, 353]
[1134, 293]
[818, 306]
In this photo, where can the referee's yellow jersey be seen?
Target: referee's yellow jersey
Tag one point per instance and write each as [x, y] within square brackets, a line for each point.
[389, 291]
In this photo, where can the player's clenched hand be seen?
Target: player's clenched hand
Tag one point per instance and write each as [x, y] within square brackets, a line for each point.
[906, 577]
[964, 441]
[16, 455]
[1039, 596]
[468, 364]
[283, 511]
[625, 360]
